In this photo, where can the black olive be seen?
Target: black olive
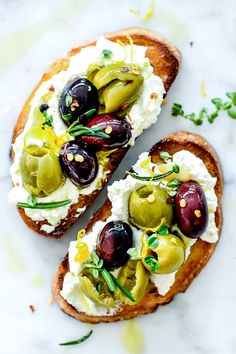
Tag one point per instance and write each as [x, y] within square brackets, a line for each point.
[78, 162]
[113, 243]
[78, 97]
[43, 107]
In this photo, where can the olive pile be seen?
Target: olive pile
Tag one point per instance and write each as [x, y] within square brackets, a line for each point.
[109, 92]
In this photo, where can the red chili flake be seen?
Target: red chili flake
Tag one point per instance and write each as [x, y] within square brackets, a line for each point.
[51, 88]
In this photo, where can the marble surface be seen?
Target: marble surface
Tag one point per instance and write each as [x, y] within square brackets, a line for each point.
[32, 35]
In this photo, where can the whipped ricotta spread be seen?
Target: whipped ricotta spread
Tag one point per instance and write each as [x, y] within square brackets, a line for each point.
[143, 113]
[191, 168]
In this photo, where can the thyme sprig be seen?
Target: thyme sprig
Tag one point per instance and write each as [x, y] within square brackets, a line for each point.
[204, 114]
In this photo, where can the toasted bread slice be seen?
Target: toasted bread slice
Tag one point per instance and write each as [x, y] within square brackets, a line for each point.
[165, 59]
[200, 252]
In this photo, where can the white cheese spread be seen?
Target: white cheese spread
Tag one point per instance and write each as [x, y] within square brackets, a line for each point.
[143, 113]
[191, 167]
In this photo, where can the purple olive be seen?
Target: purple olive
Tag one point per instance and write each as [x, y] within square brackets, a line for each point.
[113, 243]
[191, 209]
[78, 97]
[78, 162]
[118, 129]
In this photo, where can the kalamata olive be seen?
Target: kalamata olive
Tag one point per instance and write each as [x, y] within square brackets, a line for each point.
[79, 162]
[117, 128]
[113, 243]
[191, 209]
[148, 207]
[78, 97]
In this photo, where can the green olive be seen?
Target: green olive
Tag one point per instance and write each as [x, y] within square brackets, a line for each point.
[134, 277]
[96, 289]
[38, 137]
[92, 71]
[148, 207]
[41, 172]
[170, 254]
[119, 86]
[118, 95]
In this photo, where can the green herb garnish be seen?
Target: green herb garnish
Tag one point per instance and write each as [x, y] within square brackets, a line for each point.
[107, 53]
[67, 116]
[77, 129]
[164, 155]
[123, 289]
[220, 105]
[78, 341]
[154, 178]
[31, 200]
[69, 100]
[175, 168]
[152, 263]
[132, 252]
[163, 230]
[174, 183]
[107, 276]
[153, 242]
[48, 120]
[97, 267]
[36, 205]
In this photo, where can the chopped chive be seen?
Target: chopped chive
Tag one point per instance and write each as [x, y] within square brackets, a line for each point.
[163, 230]
[153, 242]
[152, 263]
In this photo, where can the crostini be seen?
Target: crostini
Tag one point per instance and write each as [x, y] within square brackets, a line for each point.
[151, 238]
[79, 121]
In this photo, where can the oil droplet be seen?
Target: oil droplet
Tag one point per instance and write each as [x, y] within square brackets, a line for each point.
[37, 281]
[16, 263]
[133, 338]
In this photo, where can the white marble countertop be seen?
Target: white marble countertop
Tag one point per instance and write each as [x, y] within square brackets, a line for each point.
[32, 35]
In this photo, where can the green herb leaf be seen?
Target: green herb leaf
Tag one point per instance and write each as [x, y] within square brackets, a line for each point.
[152, 263]
[177, 110]
[132, 252]
[69, 100]
[107, 53]
[78, 341]
[232, 113]
[154, 178]
[95, 258]
[174, 183]
[220, 105]
[164, 155]
[50, 205]
[95, 272]
[107, 276]
[171, 193]
[31, 200]
[175, 168]
[122, 288]
[163, 230]
[153, 242]
[67, 116]
[48, 120]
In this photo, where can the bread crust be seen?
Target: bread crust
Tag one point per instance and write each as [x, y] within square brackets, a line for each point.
[165, 59]
[200, 252]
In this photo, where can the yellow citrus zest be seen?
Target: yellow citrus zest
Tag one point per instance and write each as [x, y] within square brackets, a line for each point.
[83, 252]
